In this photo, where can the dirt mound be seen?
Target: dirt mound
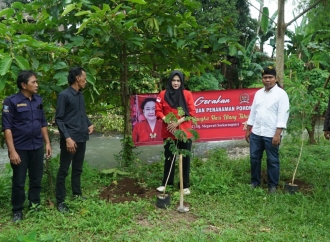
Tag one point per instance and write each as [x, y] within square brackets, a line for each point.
[127, 189]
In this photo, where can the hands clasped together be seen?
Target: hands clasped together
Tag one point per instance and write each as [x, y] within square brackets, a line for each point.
[172, 126]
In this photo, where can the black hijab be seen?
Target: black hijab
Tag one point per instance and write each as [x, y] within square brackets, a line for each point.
[175, 97]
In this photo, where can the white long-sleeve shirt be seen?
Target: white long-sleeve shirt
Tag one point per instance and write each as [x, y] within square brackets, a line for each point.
[269, 111]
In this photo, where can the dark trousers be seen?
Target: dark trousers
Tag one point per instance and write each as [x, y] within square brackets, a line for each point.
[65, 162]
[32, 161]
[185, 163]
[257, 146]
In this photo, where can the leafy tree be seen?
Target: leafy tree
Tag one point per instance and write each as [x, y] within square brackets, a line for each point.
[117, 43]
[233, 16]
[237, 27]
[206, 81]
[299, 39]
[308, 91]
[280, 33]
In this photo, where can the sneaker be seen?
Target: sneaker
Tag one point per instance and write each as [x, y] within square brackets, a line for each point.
[62, 207]
[272, 190]
[17, 216]
[160, 189]
[186, 191]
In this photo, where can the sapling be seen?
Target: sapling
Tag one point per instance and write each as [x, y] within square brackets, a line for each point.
[299, 157]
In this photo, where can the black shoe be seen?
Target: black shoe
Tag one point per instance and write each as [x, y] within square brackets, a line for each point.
[272, 190]
[79, 197]
[18, 216]
[61, 207]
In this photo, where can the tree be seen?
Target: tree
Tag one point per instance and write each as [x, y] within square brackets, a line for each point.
[232, 16]
[236, 27]
[115, 42]
[310, 101]
[280, 33]
[146, 35]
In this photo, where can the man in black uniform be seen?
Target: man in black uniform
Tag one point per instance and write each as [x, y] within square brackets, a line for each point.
[25, 128]
[74, 127]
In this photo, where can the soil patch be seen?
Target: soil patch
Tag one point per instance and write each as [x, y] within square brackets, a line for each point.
[303, 187]
[127, 189]
[130, 189]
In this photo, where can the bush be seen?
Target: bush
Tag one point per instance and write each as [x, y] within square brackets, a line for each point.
[205, 82]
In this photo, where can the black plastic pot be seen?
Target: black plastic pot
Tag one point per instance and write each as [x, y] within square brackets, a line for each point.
[291, 188]
[163, 200]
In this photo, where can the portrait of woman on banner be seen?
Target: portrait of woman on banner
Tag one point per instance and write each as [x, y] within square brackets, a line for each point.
[149, 128]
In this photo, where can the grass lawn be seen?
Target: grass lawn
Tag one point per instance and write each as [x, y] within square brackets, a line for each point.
[223, 207]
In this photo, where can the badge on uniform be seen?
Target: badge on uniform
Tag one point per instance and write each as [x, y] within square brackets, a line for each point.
[21, 105]
[5, 109]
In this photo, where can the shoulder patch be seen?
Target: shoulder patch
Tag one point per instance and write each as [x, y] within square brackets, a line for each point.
[158, 99]
[5, 109]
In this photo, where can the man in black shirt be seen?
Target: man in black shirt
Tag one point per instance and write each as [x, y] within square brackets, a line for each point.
[74, 127]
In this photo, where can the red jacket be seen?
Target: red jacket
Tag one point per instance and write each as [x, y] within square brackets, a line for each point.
[163, 108]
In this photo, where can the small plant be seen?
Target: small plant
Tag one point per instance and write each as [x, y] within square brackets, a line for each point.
[299, 157]
[126, 156]
[299, 111]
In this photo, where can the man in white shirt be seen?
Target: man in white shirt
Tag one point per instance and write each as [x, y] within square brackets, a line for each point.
[268, 117]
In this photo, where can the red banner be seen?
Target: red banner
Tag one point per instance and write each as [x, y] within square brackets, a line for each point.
[221, 115]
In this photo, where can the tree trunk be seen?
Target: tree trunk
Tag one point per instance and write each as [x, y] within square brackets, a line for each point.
[280, 32]
[125, 94]
[127, 144]
[311, 134]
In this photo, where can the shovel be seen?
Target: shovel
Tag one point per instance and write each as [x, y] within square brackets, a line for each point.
[181, 208]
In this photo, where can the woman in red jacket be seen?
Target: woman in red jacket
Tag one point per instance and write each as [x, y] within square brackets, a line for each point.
[168, 101]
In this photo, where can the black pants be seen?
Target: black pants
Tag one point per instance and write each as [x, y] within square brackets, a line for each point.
[185, 163]
[32, 161]
[77, 164]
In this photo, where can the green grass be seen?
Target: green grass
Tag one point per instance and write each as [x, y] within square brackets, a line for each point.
[223, 206]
